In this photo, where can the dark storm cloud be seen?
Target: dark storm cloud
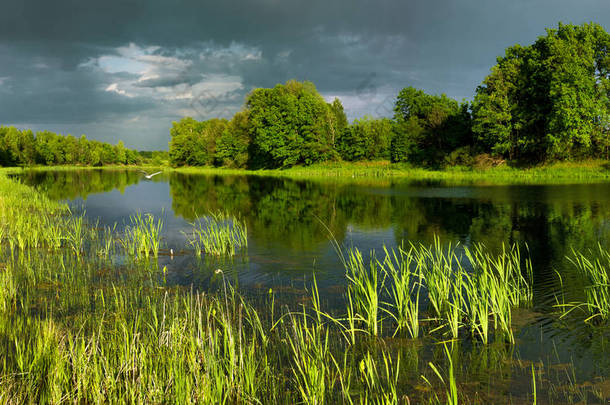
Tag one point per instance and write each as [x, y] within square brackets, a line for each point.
[127, 68]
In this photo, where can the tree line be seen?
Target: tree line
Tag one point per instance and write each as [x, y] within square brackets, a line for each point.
[24, 148]
[546, 101]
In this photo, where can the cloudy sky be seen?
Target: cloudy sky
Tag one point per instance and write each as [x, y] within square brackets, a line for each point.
[125, 69]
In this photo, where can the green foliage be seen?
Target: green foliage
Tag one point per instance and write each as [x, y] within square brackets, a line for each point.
[280, 127]
[22, 148]
[366, 139]
[155, 158]
[193, 143]
[428, 127]
[548, 100]
[290, 124]
[232, 145]
[337, 121]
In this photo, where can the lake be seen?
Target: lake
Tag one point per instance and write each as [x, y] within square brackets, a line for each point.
[292, 223]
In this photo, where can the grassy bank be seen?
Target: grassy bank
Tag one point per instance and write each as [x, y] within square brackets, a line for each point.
[555, 173]
[87, 317]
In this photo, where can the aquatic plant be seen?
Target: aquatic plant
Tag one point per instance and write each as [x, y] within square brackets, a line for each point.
[364, 289]
[595, 271]
[379, 378]
[451, 390]
[404, 288]
[81, 329]
[219, 234]
[143, 235]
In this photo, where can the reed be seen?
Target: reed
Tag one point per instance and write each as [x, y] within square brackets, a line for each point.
[312, 361]
[219, 234]
[595, 272]
[404, 288]
[466, 288]
[451, 390]
[143, 235]
[82, 329]
[380, 379]
[364, 289]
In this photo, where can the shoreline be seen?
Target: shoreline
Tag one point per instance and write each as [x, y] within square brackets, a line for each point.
[592, 171]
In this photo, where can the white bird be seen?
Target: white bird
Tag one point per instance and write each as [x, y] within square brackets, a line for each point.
[149, 176]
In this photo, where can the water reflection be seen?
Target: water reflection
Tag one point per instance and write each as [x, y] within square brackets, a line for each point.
[289, 223]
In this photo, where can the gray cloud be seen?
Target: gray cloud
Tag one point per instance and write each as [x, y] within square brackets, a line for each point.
[124, 69]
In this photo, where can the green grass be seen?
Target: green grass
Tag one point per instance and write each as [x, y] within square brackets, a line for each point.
[365, 172]
[218, 234]
[594, 269]
[588, 171]
[76, 327]
[142, 237]
[466, 288]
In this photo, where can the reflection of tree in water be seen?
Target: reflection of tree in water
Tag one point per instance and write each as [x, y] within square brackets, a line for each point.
[279, 211]
[551, 219]
[196, 195]
[70, 184]
[551, 224]
[286, 212]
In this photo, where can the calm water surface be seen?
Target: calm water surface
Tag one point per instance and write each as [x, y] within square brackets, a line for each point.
[290, 223]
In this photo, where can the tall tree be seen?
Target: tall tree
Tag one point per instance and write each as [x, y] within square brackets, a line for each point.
[232, 145]
[366, 139]
[290, 124]
[548, 100]
[428, 126]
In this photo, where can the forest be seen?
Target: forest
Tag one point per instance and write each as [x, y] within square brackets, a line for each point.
[544, 102]
[24, 148]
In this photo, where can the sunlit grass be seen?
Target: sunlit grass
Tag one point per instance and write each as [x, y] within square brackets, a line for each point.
[143, 235]
[219, 234]
[551, 173]
[75, 327]
[594, 268]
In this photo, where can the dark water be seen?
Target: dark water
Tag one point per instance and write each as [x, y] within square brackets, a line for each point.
[290, 223]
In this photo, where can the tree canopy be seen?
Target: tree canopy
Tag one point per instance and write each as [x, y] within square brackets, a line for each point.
[23, 148]
[279, 127]
[291, 124]
[548, 100]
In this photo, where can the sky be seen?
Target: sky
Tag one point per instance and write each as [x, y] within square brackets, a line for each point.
[126, 69]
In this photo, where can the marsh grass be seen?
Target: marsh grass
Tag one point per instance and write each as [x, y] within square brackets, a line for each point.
[364, 291]
[365, 172]
[78, 328]
[449, 382]
[594, 270]
[464, 288]
[404, 269]
[219, 234]
[143, 236]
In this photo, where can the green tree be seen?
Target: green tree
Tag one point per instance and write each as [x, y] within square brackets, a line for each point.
[232, 145]
[337, 122]
[182, 144]
[120, 153]
[366, 139]
[290, 124]
[429, 126]
[548, 100]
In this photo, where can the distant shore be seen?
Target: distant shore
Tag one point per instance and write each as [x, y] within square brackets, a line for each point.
[555, 173]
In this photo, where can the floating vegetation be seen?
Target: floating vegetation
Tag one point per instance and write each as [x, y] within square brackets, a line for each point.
[219, 234]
